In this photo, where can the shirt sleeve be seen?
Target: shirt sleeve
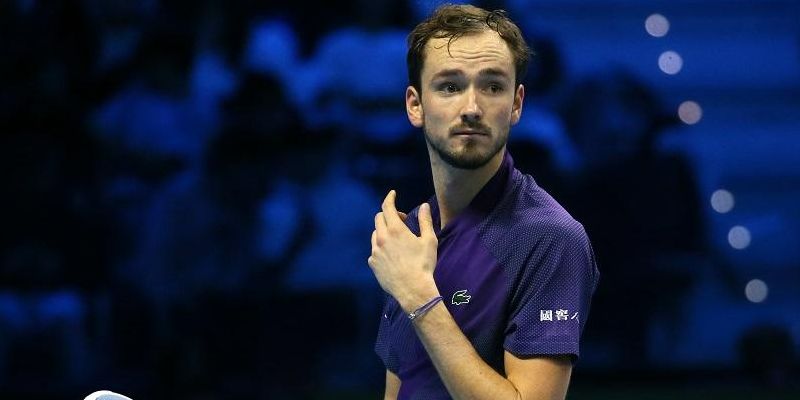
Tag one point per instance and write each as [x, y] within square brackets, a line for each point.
[550, 301]
[383, 344]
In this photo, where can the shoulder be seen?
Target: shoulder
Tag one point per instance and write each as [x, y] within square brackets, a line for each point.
[533, 214]
[528, 229]
[545, 243]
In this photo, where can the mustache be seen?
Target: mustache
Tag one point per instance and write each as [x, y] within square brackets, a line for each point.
[476, 127]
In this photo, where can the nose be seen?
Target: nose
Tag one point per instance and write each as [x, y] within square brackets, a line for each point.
[471, 112]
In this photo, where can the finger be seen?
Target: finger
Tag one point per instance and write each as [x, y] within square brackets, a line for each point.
[380, 223]
[374, 240]
[389, 209]
[425, 221]
[403, 216]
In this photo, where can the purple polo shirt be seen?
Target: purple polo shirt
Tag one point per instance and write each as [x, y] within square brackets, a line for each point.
[515, 271]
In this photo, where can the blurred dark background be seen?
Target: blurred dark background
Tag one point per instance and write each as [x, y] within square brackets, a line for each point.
[188, 190]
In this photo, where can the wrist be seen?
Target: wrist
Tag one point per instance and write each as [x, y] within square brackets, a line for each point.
[421, 310]
[415, 299]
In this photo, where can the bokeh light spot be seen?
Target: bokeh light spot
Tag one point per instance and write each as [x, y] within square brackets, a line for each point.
[670, 62]
[690, 112]
[739, 237]
[756, 291]
[722, 201]
[656, 25]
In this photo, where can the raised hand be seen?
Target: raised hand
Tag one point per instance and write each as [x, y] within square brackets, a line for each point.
[403, 262]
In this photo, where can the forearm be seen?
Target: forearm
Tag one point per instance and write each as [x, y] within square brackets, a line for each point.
[462, 370]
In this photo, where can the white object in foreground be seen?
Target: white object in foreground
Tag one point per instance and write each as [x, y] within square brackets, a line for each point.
[106, 395]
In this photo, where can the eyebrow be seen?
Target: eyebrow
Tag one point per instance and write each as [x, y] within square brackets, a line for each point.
[494, 72]
[484, 72]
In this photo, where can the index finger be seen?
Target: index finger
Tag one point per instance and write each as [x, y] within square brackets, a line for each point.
[390, 212]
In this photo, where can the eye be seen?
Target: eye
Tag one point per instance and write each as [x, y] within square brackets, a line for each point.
[495, 87]
[448, 87]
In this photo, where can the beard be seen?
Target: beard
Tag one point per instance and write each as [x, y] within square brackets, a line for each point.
[470, 155]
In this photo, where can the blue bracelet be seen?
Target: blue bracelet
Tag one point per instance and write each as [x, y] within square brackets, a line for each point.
[424, 308]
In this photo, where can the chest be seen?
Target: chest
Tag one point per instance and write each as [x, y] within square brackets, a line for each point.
[473, 286]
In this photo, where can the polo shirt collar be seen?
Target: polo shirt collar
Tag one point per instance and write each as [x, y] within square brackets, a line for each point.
[483, 202]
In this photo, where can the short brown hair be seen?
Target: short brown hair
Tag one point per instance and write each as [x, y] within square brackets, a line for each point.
[453, 21]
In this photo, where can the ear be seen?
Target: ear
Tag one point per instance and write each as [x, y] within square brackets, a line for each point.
[516, 108]
[414, 107]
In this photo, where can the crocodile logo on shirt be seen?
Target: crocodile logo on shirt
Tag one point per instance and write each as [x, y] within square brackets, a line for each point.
[461, 297]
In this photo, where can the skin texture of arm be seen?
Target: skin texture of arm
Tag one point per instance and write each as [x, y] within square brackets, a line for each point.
[467, 376]
[403, 263]
[530, 378]
[392, 386]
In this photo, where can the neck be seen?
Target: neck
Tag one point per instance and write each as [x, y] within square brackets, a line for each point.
[455, 188]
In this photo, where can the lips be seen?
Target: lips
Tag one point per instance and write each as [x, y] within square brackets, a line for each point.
[469, 132]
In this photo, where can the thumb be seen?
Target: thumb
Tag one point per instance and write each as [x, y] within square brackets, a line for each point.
[425, 221]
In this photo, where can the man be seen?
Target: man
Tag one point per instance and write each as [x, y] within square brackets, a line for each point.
[490, 281]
